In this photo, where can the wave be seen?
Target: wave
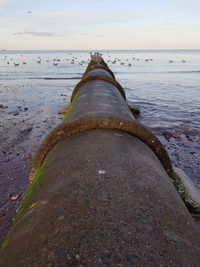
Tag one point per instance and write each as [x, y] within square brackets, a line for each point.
[158, 72]
[54, 78]
[183, 71]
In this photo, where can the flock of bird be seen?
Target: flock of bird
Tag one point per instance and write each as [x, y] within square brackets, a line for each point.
[123, 63]
[74, 60]
[39, 60]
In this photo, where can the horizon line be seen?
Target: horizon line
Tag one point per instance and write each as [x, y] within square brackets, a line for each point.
[175, 49]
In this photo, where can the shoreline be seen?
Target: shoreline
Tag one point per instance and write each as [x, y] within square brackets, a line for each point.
[21, 135]
[29, 110]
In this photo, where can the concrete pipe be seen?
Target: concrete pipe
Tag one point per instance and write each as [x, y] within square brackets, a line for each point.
[101, 194]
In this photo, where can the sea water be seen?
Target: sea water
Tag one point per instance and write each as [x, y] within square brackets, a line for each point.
[168, 94]
[165, 85]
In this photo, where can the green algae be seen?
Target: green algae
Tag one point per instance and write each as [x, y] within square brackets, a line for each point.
[67, 114]
[26, 203]
[5, 243]
[181, 189]
[34, 204]
[179, 186]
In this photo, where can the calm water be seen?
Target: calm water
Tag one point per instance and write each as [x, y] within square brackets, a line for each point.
[168, 94]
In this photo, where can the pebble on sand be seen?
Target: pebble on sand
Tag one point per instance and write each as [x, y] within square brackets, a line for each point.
[13, 197]
[2, 106]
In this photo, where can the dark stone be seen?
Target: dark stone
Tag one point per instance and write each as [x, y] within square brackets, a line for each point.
[2, 106]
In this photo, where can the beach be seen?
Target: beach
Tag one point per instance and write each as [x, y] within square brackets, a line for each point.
[167, 94]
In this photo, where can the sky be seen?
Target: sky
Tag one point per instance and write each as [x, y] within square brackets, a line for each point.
[98, 25]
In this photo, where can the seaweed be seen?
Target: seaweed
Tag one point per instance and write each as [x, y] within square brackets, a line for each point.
[181, 189]
[26, 203]
[5, 242]
[67, 114]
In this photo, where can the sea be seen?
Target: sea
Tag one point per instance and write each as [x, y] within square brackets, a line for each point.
[163, 84]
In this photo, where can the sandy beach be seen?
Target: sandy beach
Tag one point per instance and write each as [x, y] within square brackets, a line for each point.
[21, 133]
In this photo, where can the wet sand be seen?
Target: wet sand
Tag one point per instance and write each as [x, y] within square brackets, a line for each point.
[24, 122]
[22, 129]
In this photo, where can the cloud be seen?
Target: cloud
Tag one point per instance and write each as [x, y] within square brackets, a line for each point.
[161, 27]
[52, 34]
[184, 4]
[5, 3]
[64, 23]
[99, 35]
[37, 33]
[190, 7]
[91, 18]
[65, 19]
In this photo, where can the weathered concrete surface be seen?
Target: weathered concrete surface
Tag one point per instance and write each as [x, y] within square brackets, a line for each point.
[93, 66]
[99, 104]
[99, 98]
[96, 78]
[98, 71]
[104, 200]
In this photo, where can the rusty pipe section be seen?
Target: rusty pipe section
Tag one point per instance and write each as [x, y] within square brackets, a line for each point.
[101, 195]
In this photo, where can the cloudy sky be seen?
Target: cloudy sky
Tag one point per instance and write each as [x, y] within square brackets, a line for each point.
[103, 24]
